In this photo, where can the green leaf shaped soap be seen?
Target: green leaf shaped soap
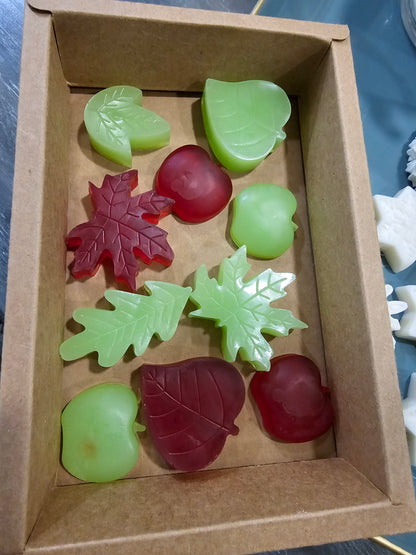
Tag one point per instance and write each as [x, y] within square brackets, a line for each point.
[99, 441]
[242, 308]
[133, 322]
[117, 123]
[244, 120]
[262, 220]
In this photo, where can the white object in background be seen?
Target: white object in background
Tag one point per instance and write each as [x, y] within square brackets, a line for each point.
[409, 415]
[396, 227]
[408, 9]
[394, 307]
[407, 330]
[411, 162]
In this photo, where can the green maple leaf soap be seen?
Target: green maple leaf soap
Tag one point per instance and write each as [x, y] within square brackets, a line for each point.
[117, 123]
[242, 308]
[133, 322]
[244, 121]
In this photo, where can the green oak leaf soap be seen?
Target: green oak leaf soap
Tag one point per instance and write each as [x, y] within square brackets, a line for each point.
[244, 120]
[99, 441]
[134, 321]
[262, 220]
[116, 123]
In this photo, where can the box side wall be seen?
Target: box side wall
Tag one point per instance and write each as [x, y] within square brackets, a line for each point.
[363, 379]
[31, 376]
[265, 507]
[179, 53]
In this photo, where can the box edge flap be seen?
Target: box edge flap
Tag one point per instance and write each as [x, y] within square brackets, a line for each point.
[326, 31]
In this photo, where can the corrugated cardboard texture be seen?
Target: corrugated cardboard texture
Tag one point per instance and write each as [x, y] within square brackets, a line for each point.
[267, 500]
[31, 376]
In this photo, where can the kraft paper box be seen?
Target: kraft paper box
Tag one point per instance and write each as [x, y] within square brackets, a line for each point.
[260, 494]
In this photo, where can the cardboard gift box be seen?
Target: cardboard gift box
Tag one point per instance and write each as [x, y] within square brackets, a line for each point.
[259, 494]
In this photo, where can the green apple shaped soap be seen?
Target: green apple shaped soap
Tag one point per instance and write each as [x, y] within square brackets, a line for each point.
[243, 121]
[99, 441]
[117, 123]
[262, 220]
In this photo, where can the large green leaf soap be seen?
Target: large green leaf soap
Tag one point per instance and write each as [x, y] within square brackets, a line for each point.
[99, 441]
[244, 121]
[117, 123]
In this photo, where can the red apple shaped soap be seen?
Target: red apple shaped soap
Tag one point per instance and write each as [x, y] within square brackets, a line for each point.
[294, 406]
[190, 408]
[199, 187]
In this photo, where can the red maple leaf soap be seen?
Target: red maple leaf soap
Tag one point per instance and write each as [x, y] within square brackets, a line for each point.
[294, 406]
[190, 408]
[121, 228]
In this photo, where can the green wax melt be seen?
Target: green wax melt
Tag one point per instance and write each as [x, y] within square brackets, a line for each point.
[244, 120]
[117, 123]
[262, 220]
[99, 441]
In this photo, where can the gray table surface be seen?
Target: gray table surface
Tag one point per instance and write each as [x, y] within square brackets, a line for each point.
[11, 26]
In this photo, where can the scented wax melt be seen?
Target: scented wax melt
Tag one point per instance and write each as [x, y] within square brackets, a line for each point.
[190, 408]
[99, 441]
[394, 307]
[243, 120]
[396, 227]
[117, 123]
[407, 329]
[200, 188]
[242, 308]
[121, 227]
[133, 322]
[262, 220]
[294, 406]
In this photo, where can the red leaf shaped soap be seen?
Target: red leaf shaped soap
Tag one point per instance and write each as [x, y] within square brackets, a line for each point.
[199, 187]
[120, 228]
[294, 406]
[190, 408]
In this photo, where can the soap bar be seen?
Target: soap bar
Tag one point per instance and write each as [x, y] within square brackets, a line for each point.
[407, 329]
[294, 406]
[200, 188]
[99, 441]
[134, 321]
[121, 227]
[243, 121]
[190, 407]
[242, 308]
[262, 220]
[396, 229]
[116, 123]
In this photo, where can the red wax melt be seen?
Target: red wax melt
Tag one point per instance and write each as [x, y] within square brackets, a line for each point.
[199, 187]
[294, 406]
[120, 228]
[190, 407]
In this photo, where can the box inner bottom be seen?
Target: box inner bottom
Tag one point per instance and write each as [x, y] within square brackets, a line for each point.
[195, 244]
